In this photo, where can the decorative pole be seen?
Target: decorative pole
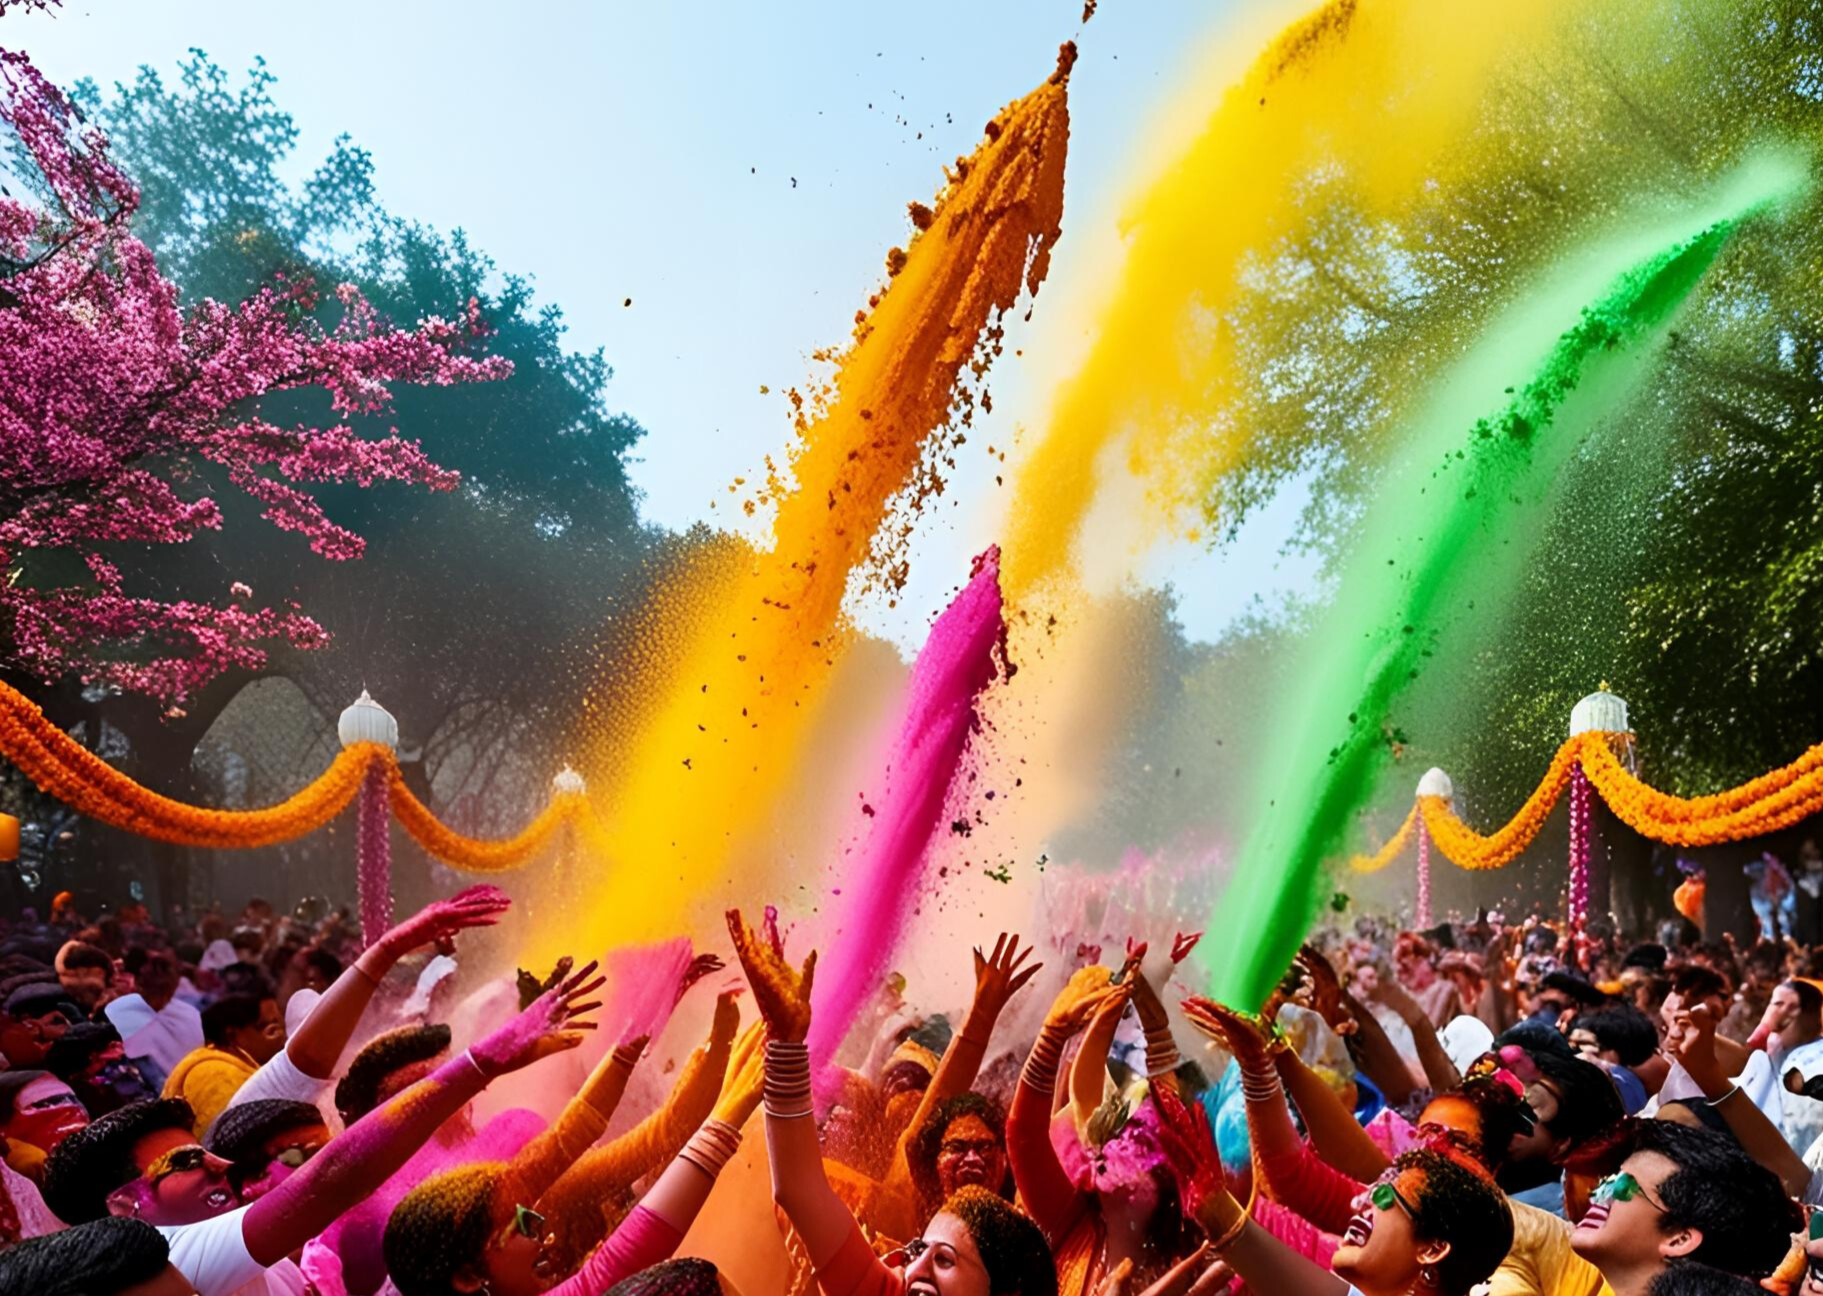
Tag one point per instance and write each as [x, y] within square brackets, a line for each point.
[567, 783]
[367, 721]
[1604, 713]
[1434, 783]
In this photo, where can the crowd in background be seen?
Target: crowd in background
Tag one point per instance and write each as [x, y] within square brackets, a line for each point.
[266, 1105]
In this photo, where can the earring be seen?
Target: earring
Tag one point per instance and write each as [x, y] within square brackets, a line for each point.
[1428, 1276]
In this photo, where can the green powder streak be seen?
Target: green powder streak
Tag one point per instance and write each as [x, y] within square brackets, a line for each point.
[1443, 544]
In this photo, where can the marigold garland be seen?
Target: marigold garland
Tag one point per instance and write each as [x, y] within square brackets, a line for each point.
[1777, 799]
[1395, 847]
[63, 768]
[1469, 849]
[475, 855]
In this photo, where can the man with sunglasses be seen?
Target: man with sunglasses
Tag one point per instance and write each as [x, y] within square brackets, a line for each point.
[143, 1161]
[1684, 1195]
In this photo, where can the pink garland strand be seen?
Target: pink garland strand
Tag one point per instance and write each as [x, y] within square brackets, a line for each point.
[1423, 917]
[373, 855]
[1580, 792]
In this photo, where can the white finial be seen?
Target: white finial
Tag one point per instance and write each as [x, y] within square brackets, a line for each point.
[367, 721]
[569, 783]
[1436, 783]
[1600, 712]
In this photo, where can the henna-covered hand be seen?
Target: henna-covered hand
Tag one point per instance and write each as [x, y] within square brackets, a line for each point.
[1087, 993]
[1321, 991]
[1244, 1035]
[780, 991]
[553, 1024]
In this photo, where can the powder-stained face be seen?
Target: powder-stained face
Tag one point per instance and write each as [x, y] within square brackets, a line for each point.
[946, 1263]
[45, 1112]
[283, 1155]
[1124, 1167]
[516, 1261]
[1380, 1250]
[970, 1156]
[179, 1182]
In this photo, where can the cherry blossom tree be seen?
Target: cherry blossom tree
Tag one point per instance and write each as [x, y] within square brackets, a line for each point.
[122, 408]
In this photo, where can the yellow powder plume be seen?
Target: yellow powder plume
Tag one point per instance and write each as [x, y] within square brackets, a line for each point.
[1376, 91]
[738, 653]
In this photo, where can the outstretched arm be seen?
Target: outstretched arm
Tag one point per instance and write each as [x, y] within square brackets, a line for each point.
[1691, 1040]
[1439, 1071]
[540, 1163]
[1050, 1197]
[375, 1146]
[998, 977]
[321, 1037]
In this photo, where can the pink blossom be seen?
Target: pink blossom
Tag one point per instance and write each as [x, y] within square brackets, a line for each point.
[110, 386]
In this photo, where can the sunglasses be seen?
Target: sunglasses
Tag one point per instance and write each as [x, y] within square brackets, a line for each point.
[527, 1223]
[1622, 1187]
[1384, 1197]
[176, 1161]
[293, 1157]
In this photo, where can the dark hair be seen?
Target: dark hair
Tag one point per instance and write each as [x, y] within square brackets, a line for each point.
[97, 1259]
[80, 954]
[441, 1226]
[1013, 1250]
[94, 1161]
[77, 1048]
[35, 994]
[239, 1131]
[1652, 957]
[1587, 1101]
[1502, 1113]
[1694, 981]
[229, 1014]
[1621, 1027]
[1738, 1205]
[359, 1090]
[1810, 999]
[1535, 1037]
[1463, 1208]
[11, 1082]
[247, 979]
[685, 1277]
[1682, 1278]
[922, 1149]
[1700, 1108]
[315, 956]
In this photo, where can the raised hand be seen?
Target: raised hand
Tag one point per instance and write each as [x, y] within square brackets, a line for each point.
[439, 921]
[781, 992]
[553, 1024]
[1244, 1035]
[1182, 944]
[727, 1019]
[745, 1079]
[1321, 992]
[999, 976]
[701, 966]
[1189, 1148]
[1086, 994]
[530, 987]
[1690, 1041]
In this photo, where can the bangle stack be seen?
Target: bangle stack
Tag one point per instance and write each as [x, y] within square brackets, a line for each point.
[712, 1146]
[786, 1094]
[1161, 1055]
[1041, 1067]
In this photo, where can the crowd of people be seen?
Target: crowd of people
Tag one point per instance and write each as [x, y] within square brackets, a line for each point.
[270, 1106]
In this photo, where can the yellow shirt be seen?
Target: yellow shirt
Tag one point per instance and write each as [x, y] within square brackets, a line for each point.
[1541, 1262]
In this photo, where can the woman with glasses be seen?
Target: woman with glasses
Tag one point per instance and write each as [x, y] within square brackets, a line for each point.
[976, 1245]
[512, 1229]
[1433, 1225]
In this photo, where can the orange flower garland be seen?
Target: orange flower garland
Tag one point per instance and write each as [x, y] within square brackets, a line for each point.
[62, 767]
[473, 854]
[1469, 849]
[1395, 846]
[1775, 800]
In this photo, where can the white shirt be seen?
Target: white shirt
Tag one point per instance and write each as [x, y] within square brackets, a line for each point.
[165, 1036]
[212, 1254]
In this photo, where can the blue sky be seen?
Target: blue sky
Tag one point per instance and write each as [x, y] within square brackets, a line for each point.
[737, 170]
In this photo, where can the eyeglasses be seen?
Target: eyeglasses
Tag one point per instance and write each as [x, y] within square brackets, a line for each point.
[1622, 1187]
[1384, 1197]
[176, 1161]
[526, 1223]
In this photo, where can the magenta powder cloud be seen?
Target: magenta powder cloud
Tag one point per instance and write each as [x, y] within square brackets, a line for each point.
[964, 652]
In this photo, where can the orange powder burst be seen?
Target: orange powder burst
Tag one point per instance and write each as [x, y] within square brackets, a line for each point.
[736, 656]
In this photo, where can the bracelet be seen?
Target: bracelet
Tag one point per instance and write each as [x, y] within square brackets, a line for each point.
[1041, 1065]
[785, 1092]
[371, 978]
[712, 1146]
[476, 1063]
[1262, 1088]
[1161, 1060]
[1717, 1102]
[1233, 1231]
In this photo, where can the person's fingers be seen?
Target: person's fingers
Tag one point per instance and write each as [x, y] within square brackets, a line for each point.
[570, 982]
[999, 949]
[577, 1010]
[1020, 981]
[571, 995]
[769, 927]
